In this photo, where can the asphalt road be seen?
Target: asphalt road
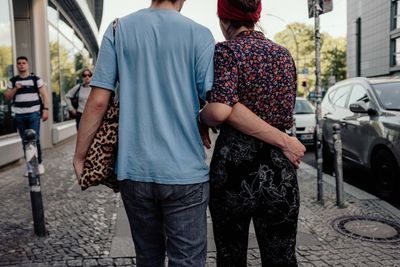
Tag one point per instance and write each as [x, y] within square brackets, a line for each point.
[355, 176]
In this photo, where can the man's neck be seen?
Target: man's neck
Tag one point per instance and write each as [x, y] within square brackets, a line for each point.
[166, 5]
[23, 74]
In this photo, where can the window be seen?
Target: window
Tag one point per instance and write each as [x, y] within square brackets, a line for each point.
[396, 52]
[396, 14]
[388, 95]
[359, 93]
[339, 96]
[68, 57]
[7, 125]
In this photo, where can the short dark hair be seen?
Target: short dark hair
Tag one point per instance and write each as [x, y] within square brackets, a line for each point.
[23, 58]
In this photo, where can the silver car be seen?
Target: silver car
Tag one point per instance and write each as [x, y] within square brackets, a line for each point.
[304, 113]
[368, 111]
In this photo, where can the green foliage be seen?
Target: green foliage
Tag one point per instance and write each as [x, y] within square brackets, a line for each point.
[6, 61]
[333, 55]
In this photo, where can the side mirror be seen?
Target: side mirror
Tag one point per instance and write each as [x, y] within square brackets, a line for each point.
[359, 107]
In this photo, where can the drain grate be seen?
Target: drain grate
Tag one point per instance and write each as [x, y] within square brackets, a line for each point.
[371, 229]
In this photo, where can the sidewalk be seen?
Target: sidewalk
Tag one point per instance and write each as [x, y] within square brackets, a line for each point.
[90, 228]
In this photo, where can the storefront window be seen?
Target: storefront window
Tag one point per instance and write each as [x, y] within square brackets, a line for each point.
[6, 67]
[68, 57]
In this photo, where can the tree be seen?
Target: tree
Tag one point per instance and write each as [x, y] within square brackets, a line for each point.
[333, 55]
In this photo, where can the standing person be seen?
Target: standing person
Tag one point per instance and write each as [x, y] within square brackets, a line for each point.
[80, 94]
[163, 63]
[28, 92]
[252, 179]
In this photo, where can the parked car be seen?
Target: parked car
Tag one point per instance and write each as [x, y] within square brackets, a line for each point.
[304, 113]
[368, 111]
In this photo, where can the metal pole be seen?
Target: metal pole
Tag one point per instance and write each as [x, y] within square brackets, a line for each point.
[34, 183]
[338, 165]
[293, 130]
[318, 115]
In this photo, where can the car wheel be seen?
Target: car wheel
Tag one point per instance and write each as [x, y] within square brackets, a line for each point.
[327, 156]
[385, 173]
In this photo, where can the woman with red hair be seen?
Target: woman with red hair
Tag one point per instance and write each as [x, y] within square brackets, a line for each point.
[251, 179]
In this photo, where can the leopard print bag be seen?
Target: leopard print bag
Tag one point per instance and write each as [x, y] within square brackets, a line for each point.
[99, 166]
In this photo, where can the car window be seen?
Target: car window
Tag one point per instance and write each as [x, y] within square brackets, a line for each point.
[339, 96]
[303, 107]
[388, 95]
[358, 93]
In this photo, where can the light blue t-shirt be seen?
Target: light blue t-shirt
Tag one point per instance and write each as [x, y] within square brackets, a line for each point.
[164, 62]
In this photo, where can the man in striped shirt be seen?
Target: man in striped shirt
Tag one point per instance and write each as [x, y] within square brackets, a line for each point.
[28, 93]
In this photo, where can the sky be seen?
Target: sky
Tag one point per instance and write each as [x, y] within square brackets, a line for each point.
[276, 14]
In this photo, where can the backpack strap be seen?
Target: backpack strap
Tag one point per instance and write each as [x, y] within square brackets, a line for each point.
[13, 81]
[35, 81]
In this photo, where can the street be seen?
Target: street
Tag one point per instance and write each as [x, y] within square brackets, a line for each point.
[355, 176]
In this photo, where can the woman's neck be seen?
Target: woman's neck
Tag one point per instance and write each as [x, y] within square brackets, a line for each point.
[239, 30]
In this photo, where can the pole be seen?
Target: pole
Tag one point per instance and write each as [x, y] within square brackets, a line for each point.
[338, 165]
[34, 183]
[293, 130]
[318, 115]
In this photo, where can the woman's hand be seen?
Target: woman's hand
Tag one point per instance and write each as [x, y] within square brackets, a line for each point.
[293, 150]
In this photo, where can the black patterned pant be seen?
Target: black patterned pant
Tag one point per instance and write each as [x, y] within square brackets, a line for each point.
[252, 180]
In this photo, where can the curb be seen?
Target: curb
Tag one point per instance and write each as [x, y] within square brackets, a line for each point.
[351, 190]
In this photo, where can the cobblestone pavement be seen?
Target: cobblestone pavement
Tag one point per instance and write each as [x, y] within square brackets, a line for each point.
[81, 225]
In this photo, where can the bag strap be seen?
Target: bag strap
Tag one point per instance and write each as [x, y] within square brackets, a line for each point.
[115, 25]
[76, 95]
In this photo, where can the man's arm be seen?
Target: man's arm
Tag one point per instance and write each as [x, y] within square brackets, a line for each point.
[243, 119]
[95, 109]
[10, 92]
[45, 99]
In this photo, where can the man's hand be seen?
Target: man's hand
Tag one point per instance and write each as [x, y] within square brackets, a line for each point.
[18, 86]
[45, 115]
[293, 150]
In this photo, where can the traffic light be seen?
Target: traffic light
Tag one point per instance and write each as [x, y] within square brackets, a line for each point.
[304, 83]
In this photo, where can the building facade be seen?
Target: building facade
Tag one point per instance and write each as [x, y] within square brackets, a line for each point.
[373, 35]
[59, 37]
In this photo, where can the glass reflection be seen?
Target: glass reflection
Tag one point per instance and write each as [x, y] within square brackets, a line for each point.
[6, 68]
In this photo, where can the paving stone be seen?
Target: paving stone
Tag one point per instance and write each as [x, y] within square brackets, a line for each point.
[81, 225]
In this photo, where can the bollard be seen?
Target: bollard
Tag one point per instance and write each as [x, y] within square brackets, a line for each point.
[34, 183]
[293, 130]
[338, 165]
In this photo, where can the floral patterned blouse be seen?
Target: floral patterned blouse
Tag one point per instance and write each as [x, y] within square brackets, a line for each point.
[258, 73]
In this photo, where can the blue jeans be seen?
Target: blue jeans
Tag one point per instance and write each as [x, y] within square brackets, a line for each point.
[167, 219]
[29, 121]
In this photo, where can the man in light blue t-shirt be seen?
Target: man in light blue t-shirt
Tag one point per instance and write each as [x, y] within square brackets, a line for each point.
[163, 62]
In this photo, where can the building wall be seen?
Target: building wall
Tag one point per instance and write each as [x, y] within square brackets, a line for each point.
[375, 37]
[25, 30]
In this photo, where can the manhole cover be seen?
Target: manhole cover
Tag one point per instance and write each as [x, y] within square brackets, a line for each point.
[368, 228]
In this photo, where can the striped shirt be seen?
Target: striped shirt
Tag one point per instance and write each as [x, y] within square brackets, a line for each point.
[26, 99]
